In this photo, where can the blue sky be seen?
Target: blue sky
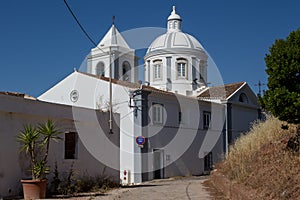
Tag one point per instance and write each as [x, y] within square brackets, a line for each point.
[41, 43]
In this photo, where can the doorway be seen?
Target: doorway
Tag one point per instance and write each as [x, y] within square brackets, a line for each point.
[208, 162]
[158, 163]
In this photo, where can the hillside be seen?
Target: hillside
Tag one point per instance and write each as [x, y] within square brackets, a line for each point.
[261, 162]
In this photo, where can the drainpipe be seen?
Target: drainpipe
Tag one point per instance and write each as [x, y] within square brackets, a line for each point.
[110, 92]
[226, 130]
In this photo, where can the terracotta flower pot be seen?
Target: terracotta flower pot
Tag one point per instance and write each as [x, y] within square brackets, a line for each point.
[34, 189]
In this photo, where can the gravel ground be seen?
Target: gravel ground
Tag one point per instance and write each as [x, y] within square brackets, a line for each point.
[189, 188]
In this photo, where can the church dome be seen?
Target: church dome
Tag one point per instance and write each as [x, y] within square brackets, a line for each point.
[176, 61]
[174, 40]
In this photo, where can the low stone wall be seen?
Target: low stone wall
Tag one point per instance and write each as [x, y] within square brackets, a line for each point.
[231, 189]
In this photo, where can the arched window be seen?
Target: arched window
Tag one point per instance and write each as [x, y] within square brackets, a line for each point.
[243, 98]
[169, 25]
[176, 25]
[125, 70]
[181, 68]
[100, 69]
[157, 65]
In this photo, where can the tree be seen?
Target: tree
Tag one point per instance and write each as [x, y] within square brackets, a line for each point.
[282, 98]
[36, 142]
[28, 139]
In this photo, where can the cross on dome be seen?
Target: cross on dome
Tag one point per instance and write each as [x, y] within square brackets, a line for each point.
[174, 10]
[174, 21]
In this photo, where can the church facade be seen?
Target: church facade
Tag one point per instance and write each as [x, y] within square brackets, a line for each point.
[174, 124]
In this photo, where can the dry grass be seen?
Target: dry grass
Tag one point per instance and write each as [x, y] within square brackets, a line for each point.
[260, 160]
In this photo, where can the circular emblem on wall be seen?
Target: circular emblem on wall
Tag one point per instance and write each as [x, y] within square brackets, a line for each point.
[74, 95]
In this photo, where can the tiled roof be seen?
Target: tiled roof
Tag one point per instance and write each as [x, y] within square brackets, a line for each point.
[218, 92]
[221, 92]
[17, 94]
[115, 81]
[129, 84]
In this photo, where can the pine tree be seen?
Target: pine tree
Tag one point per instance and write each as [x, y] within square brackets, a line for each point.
[282, 98]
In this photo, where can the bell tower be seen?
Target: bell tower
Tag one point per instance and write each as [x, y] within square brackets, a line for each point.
[113, 51]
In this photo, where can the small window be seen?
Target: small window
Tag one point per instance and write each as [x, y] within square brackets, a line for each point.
[100, 69]
[202, 67]
[176, 25]
[206, 119]
[179, 117]
[157, 69]
[181, 68]
[71, 145]
[208, 162]
[243, 98]
[170, 25]
[157, 113]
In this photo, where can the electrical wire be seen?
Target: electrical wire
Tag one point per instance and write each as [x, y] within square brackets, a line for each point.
[90, 39]
[81, 27]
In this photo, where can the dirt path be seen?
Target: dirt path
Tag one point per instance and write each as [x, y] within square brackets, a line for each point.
[190, 188]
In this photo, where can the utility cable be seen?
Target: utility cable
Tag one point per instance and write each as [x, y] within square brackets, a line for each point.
[81, 27]
[87, 35]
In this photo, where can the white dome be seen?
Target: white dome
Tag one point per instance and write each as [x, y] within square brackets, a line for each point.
[173, 41]
[175, 60]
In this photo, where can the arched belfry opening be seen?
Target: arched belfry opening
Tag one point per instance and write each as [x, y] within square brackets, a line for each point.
[126, 70]
[113, 53]
[100, 69]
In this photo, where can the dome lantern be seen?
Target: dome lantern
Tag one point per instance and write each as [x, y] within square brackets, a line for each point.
[174, 21]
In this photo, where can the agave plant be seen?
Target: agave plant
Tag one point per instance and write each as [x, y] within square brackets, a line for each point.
[35, 141]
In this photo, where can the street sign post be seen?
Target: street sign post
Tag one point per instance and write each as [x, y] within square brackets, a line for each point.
[140, 140]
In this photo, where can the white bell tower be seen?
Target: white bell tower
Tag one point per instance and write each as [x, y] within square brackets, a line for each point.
[113, 51]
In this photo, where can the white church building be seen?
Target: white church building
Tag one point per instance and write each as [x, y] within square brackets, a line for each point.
[182, 125]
